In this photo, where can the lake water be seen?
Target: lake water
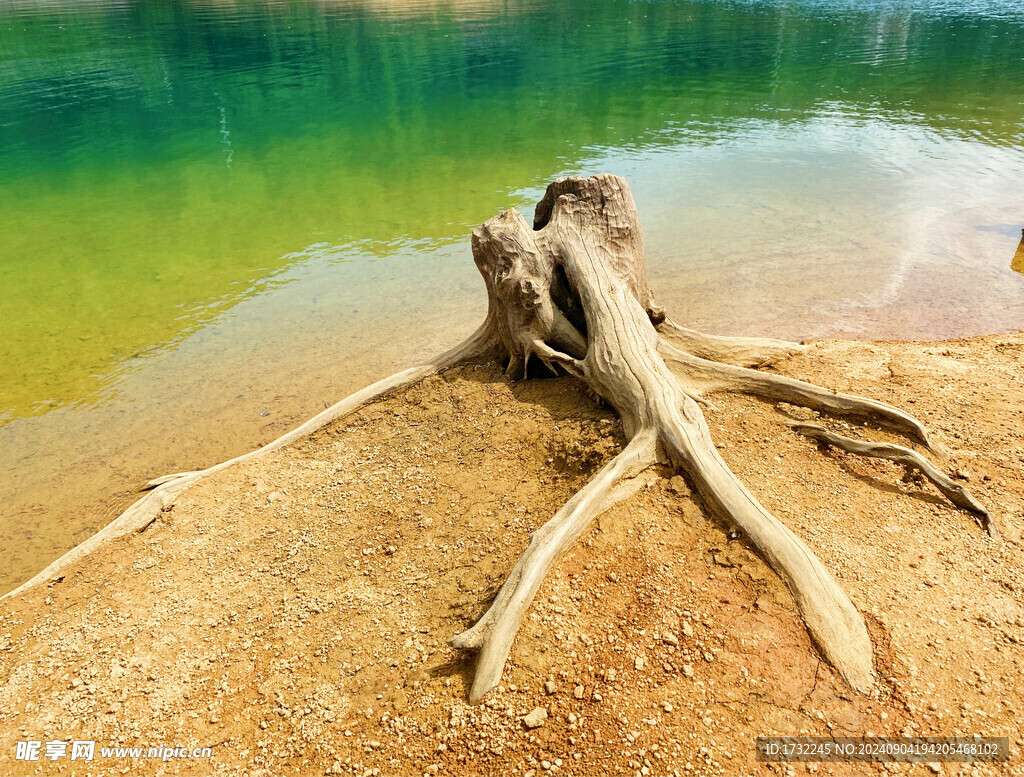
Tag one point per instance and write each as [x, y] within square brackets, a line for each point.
[218, 217]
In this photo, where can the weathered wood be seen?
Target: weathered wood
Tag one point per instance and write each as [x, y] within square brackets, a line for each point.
[572, 291]
[910, 461]
[165, 490]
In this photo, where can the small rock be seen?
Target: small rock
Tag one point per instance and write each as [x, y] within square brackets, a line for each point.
[578, 692]
[639, 663]
[274, 496]
[536, 718]
[666, 706]
[669, 638]
[687, 629]
[550, 687]
[609, 676]
[688, 670]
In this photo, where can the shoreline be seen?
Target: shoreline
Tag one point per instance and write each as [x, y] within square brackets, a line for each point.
[126, 499]
[104, 479]
[284, 597]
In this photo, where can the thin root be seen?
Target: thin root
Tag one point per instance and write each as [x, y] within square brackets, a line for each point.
[168, 479]
[956, 493]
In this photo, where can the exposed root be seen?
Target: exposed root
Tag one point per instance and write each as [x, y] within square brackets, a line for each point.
[714, 376]
[956, 493]
[573, 292]
[831, 619]
[587, 255]
[166, 489]
[493, 634]
[136, 518]
[168, 479]
[740, 351]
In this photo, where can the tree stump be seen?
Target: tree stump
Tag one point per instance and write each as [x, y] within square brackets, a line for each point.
[571, 293]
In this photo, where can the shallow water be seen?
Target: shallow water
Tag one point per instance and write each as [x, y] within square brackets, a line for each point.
[217, 217]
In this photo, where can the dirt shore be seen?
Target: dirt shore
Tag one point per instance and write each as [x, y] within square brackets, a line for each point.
[291, 613]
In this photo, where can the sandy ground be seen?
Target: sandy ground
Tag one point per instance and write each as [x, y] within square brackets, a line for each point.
[292, 613]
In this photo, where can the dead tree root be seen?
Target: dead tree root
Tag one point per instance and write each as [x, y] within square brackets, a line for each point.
[911, 460]
[572, 291]
[493, 633]
[163, 491]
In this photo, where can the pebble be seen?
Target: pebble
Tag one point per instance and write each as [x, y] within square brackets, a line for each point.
[536, 718]
[550, 687]
[639, 663]
[578, 692]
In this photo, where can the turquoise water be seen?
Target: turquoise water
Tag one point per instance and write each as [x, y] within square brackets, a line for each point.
[217, 217]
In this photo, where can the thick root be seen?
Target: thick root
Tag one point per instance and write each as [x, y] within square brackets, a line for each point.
[493, 634]
[714, 376]
[739, 351]
[831, 618]
[956, 493]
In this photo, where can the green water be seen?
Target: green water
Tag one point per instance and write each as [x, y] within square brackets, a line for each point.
[161, 160]
[235, 194]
